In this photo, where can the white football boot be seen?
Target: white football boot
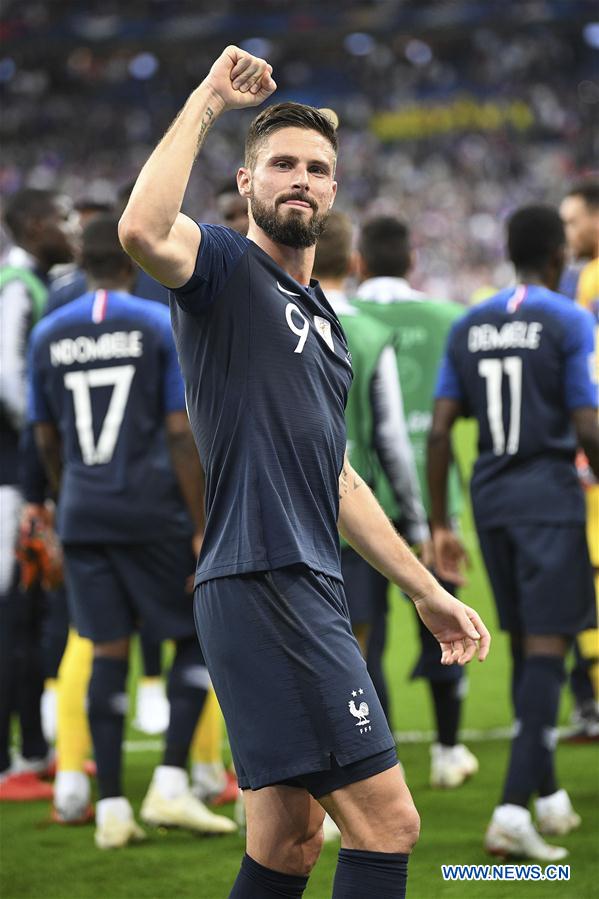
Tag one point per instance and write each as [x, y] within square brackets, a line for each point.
[115, 824]
[555, 814]
[169, 802]
[451, 765]
[512, 833]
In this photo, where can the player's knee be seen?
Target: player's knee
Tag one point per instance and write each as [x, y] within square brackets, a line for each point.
[310, 851]
[395, 828]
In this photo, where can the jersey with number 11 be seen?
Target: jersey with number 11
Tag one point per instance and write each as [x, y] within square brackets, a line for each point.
[104, 370]
[521, 363]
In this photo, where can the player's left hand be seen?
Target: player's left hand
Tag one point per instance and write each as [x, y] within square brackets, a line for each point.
[458, 628]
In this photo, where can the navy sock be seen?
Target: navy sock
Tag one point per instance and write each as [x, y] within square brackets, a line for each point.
[187, 684]
[370, 875]
[537, 703]
[151, 654]
[107, 706]
[517, 667]
[254, 881]
[448, 707]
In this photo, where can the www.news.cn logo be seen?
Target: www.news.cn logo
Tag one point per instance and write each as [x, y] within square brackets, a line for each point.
[505, 872]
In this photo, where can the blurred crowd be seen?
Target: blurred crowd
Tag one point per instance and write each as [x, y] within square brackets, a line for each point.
[450, 126]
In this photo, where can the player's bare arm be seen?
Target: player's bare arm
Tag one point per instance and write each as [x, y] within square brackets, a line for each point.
[448, 550]
[153, 230]
[49, 445]
[364, 525]
[188, 471]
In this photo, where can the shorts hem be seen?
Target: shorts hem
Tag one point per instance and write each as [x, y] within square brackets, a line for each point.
[276, 775]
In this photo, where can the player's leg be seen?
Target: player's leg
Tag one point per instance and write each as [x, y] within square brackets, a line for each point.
[73, 739]
[36, 754]
[154, 578]
[102, 613]
[379, 827]
[284, 839]
[549, 563]
[151, 704]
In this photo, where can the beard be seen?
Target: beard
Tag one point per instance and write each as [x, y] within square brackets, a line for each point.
[289, 228]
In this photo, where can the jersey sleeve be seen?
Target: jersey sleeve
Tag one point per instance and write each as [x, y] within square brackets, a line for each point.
[38, 409]
[448, 380]
[580, 374]
[220, 250]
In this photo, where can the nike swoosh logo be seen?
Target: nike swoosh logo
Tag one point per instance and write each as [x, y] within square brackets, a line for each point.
[289, 293]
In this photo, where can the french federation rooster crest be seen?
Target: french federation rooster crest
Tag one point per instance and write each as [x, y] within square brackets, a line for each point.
[361, 712]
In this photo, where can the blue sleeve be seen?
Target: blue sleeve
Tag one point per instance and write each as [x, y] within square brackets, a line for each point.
[220, 250]
[580, 374]
[448, 380]
[37, 402]
[172, 384]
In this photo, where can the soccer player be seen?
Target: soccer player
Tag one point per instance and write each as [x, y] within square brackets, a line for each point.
[39, 223]
[580, 214]
[521, 363]
[420, 326]
[267, 372]
[108, 404]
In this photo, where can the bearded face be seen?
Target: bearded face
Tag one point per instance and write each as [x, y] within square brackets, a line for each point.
[288, 224]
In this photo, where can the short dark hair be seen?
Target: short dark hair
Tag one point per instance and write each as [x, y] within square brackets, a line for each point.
[588, 190]
[102, 255]
[534, 235]
[384, 244]
[27, 204]
[287, 115]
[333, 248]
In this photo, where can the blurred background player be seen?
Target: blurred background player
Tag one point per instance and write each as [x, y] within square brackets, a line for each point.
[419, 326]
[39, 223]
[580, 214]
[520, 364]
[104, 431]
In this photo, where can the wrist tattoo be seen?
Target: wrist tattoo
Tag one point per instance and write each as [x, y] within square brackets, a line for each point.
[205, 125]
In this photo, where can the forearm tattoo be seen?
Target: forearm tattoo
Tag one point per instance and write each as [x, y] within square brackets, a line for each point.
[348, 481]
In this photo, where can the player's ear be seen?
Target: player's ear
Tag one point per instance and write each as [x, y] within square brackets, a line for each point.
[244, 181]
[334, 186]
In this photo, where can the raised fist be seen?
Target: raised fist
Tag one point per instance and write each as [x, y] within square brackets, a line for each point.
[240, 79]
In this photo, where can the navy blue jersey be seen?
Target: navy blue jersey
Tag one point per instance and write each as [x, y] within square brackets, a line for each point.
[267, 373]
[104, 369]
[520, 363]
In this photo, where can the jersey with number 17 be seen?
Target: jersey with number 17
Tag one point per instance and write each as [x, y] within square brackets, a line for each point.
[104, 370]
[521, 363]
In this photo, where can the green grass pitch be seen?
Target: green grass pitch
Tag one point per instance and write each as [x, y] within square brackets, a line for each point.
[40, 860]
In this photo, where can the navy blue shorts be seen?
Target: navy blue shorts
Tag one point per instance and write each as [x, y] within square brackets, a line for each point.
[290, 679]
[114, 589]
[541, 577]
[365, 588]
